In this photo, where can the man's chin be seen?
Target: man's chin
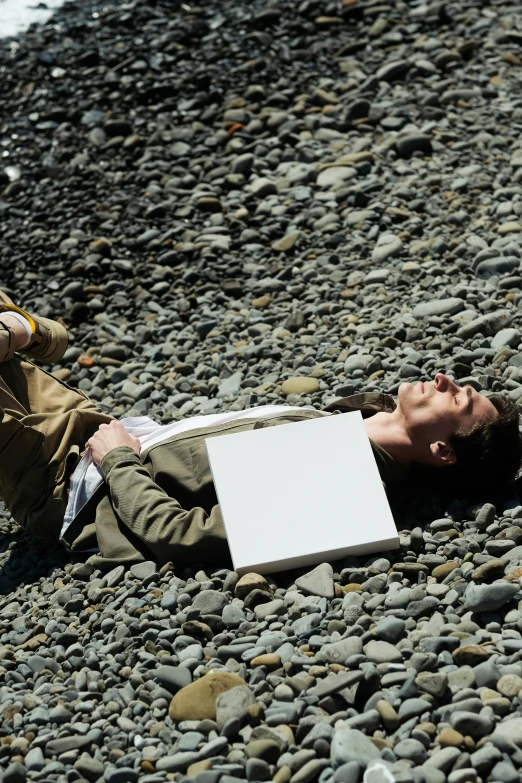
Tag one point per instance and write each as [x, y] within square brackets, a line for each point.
[404, 389]
[407, 397]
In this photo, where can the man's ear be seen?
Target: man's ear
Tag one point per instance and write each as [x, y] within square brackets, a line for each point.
[443, 453]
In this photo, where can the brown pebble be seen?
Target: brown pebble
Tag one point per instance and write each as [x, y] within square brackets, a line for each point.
[255, 713]
[156, 728]
[250, 582]
[389, 716]
[514, 575]
[286, 243]
[270, 660]
[197, 701]
[441, 572]
[197, 629]
[266, 749]
[449, 738]
[493, 569]
[512, 59]
[452, 533]
[232, 288]
[102, 246]
[470, 655]
[85, 361]
[283, 774]
[106, 361]
[428, 728]
[300, 384]
[199, 766]
[261, 302]
[34, 642]
[512, 533]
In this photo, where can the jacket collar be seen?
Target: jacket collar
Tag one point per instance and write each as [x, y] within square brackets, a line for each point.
[366, 402]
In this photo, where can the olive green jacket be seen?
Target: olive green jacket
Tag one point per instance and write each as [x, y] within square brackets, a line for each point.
[162, 504]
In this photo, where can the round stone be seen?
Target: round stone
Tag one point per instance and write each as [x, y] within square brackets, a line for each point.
[449, 738]
[300, 385]
[250, 582]
[493, 569]
[271, 661]
[382, 652]
[388, 245]
[442, 571]
[509, 685]
[412, 750]
[261, 302]
[197, 701]
[488, 597]
[438, 307]
[511, 227]
[388, 715]
[335, 175]
[470, 655]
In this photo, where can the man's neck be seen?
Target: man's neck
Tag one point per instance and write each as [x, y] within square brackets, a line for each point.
[386, 430]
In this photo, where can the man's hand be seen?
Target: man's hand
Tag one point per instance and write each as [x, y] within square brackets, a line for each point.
[109, 437]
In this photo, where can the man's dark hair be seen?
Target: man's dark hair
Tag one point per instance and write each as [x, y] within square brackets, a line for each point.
[488, 457]
[490, 454]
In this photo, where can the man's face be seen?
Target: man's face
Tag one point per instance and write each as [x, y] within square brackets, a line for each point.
[434, 410]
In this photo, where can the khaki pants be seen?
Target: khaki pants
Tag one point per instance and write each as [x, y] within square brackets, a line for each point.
[44, 427]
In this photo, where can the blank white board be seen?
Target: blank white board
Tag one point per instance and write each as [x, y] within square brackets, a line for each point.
[299, 494]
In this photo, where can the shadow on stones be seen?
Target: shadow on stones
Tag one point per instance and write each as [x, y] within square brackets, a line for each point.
[28, 557]
[25, 558]
[421, 504]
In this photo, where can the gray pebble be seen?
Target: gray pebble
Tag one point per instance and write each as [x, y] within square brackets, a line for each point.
[488, 597]
[233, 704]
[352, 745]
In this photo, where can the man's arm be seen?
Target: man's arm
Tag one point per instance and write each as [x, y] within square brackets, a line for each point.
[168, 530]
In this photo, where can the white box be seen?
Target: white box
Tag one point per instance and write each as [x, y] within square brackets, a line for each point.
[299, 494]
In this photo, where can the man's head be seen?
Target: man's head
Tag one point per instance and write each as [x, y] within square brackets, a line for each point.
[455, 426]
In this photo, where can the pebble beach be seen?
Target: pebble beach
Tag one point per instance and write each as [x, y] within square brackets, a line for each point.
[235, 204]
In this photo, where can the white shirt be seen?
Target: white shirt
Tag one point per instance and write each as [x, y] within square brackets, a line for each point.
[87, 476]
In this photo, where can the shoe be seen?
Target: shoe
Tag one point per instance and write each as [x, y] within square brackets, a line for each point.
[49, 338]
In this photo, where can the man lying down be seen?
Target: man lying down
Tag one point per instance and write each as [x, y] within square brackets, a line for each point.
[135, 490]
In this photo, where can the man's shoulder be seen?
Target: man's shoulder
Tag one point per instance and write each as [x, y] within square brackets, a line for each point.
[366, 402]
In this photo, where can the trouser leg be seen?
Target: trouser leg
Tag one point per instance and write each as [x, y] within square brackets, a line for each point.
[44, 426]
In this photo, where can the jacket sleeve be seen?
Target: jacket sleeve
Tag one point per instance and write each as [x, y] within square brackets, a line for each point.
[168, 530]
